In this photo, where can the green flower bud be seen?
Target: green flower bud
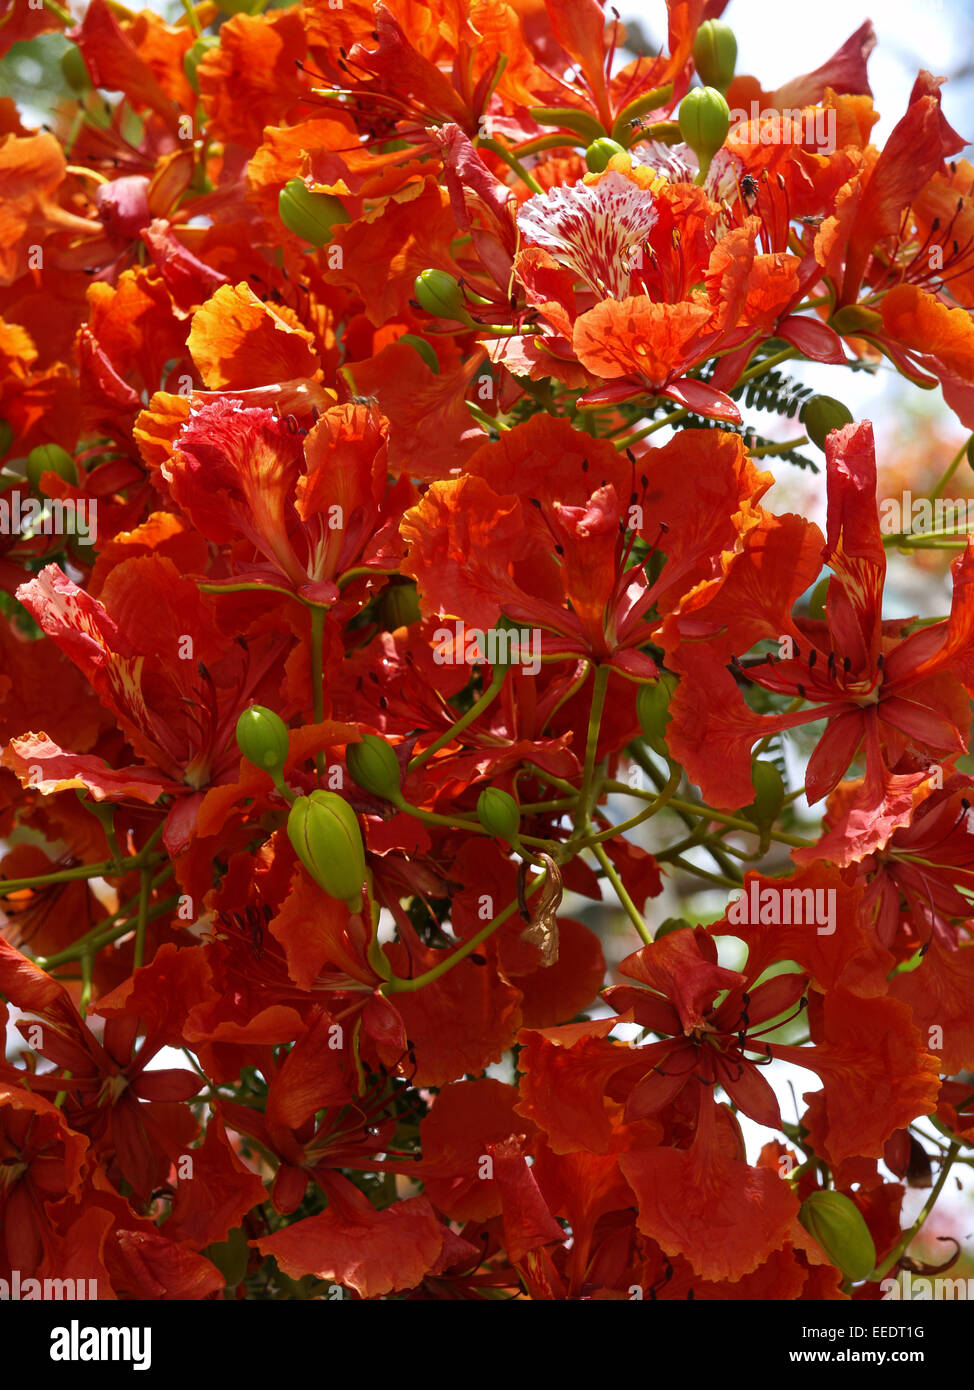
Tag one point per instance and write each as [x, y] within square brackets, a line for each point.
[625, 123]
[599, 153]
[424, 349]
[704, 121]
[231, 1256]
[325, 834]
[439, 294]
[6, 436]
[399, 605]
[715, 54]
[652, 710]
[837, 1224]
[669, 925]
[74, 71]
[50, 458]
[262, 739]
[375, 767]
[569, 118]
[195, 56]
[816, 604]
[498, 813]
[822, 414]
[769, 793]
[856, 318]
[311, 216]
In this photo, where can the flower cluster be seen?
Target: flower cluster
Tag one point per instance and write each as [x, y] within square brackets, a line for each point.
[346, 330]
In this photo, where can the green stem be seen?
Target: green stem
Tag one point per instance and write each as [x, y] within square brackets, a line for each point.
[63, 15]
[952, 468]
[559, 783]
[87, 942]
[641, 758]
[600, 683]
[928, 540]
[632, 911]
[318, 676]
[247, 587]
[488, 421]
[737, 823]
[473, 827]
[125, 927]
[513, 162]
[397, 985]
[664, 798]
[107, 866]
[474, 712]
[781, 448]
[145, 886]
[193, 17]
[672, 419]
[760, 368]
[722, 879]
[907, 1239]
[363, 572]
[87, 966]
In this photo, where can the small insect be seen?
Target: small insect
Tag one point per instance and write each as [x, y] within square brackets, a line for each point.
[749, 186]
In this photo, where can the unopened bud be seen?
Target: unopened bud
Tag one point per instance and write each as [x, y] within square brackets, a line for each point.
[856, 318]
[715, 54]
[837, 1224]
[821, 415]
[671, 924]
[399, 605]
[325, 834]
[652, 710]
[196, 54]
[50, 458]
[816, 604]
[704, 121]
[439, 294]
[769, 793]
[375, 767]
[74, 71]
[311, 216]
[262, 738]
[599, 153]
[424, 349]
[498, 813]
